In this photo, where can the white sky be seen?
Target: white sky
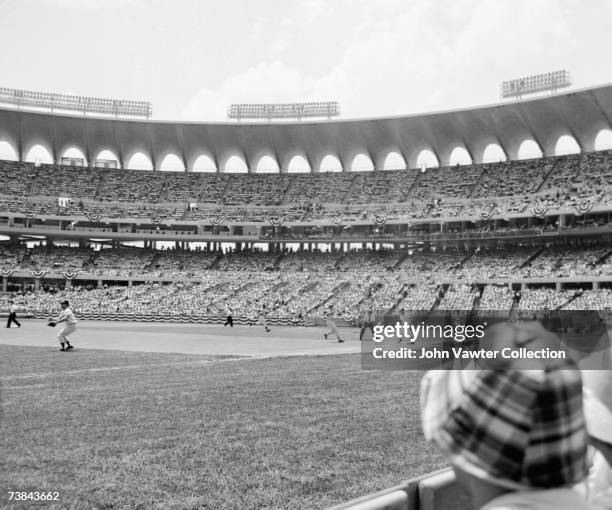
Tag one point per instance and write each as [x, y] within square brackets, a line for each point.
[192, 58]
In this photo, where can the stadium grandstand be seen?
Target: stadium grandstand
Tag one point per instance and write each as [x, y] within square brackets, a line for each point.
[311, 220]
[449, 234]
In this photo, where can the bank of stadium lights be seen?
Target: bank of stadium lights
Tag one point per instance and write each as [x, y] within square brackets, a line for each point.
[536, 83]
[271, 111]
[67, 102]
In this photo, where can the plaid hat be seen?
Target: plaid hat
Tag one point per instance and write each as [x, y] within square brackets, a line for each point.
[521, 429]
[598, 403]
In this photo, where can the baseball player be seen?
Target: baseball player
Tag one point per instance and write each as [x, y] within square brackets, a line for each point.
[66, 316]
[12, 315]
[229, 320]
[263, 318]
[368, 322]
[333, 328]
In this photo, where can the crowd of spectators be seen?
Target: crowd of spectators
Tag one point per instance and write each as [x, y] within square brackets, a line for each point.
[496, 297]
[561, 176]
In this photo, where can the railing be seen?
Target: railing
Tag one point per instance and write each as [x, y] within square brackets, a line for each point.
[434, 491]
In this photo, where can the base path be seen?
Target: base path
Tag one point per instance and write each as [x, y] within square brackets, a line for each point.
[186, 338]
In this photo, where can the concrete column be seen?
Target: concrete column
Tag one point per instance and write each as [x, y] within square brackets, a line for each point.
[595, 285]
[68, 284]
[523, 287]
[558, 286]
[99, 283]
[37, 284]
[4, 283]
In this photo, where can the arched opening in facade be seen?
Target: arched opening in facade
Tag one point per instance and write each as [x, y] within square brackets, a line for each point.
[172, 163]
[107, 158]
[8, 152]
[459, 156]
[493, 153]
[204, 163]
[330, 164]
[235, 165]
[427, 159]
[603, 140]
[38, 154]
[297, 165]
[566, 144]
[529, 149]
[394, 161]
[73, 156]
[362, 163]
[140, 161]
[267, 165]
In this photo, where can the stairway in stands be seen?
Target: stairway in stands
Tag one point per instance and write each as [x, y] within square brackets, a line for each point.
[33, 184]
[215, 263]
[601, 260]
[335, 291]
[288, 191]
[478, 181]
[532, 257]
[153, 263]
[419, 177]
[399, 261]
[99, 186]
[550, 172]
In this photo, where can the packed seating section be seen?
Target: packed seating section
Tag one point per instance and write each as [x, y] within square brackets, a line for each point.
[307, 284]
[458, 191]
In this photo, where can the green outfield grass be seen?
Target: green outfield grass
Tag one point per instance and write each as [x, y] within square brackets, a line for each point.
[112, 429]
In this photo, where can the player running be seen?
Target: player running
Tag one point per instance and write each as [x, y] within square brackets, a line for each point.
[333, 328]
[66, 316]
[12, 315]
[263, 318]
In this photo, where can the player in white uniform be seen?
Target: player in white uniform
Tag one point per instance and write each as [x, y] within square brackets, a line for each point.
[66, 316]
[12, 315]
[263, 318]
[333, 328]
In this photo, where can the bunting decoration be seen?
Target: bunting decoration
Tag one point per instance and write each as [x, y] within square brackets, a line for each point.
[215, 220]
[156, 219]
[337, 220]
[93, 217]
[539, 210]
[583, 207]
[70, 275]
[487, 214]
[348, 317]
[276, 221]
[6, 273]
[380, 219]
[38, 274]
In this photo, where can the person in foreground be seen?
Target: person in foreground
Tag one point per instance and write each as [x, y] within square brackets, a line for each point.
[66, 316]
[598, 414]
[516, 438]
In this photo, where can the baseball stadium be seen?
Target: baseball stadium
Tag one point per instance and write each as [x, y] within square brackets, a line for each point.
[188, 303]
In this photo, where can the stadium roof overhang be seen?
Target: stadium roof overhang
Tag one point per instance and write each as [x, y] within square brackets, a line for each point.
[581, 114]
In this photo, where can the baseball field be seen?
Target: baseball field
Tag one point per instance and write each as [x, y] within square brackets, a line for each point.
[168, 416]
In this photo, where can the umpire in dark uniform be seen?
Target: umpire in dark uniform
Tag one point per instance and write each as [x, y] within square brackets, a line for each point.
[229, 321]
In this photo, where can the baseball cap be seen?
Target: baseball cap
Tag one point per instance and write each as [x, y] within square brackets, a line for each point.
[598, 403]
[519, 429]
[65, 302]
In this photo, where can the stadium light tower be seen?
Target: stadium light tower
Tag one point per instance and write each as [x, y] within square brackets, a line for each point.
[269, 111]
[536, 83]
[83, 104]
